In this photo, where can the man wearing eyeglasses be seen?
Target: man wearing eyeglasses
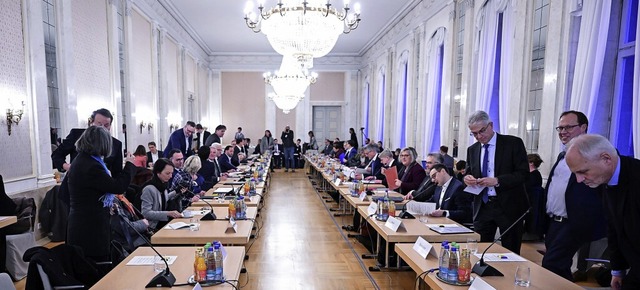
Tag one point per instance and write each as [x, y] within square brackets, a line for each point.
[503, 176]
[573, 210]
[181, 139]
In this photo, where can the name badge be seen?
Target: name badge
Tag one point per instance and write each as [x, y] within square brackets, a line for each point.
[338, 181]
[424, 248]
[362, 196]
[232, 227]
[373, 208]
[393, 223]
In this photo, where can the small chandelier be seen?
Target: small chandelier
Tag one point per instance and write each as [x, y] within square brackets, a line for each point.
[285, 103]
[303, 29]
[289, 83]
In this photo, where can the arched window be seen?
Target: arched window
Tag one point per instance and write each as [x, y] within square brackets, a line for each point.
[381, 97]
[401, 101]
[433, 96]
[366, 97]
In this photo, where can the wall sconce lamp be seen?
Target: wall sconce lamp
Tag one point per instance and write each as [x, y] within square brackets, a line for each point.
[149, 127]
[173, 127]
[13, 117]
[142, 125]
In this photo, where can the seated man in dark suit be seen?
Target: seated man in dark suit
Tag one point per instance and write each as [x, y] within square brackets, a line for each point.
[278, 156]
[374, 166]
[225, 160]
[350, 155]
[427, 188]
[328, 147]
[450, 198]
[153, 154]
[239, 153]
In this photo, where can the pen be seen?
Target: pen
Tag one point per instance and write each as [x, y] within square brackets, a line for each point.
[503, 257]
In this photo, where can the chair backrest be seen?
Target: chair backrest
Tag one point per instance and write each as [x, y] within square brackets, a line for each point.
[26, 212]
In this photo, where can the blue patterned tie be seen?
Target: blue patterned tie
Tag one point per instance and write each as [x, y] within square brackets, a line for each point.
[485, 172]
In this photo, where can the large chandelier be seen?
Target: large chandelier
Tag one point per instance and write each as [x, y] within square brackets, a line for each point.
[304, 29]
[289, 83]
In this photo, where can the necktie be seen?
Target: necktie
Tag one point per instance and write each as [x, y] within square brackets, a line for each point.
[561, 155]
[218, 170]
[485, 171]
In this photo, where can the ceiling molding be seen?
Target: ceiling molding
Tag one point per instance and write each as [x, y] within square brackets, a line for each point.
[271, 61]
[387, 27]
[168, 5]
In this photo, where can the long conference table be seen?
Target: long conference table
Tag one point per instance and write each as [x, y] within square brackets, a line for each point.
[541, 278]
[124, 277]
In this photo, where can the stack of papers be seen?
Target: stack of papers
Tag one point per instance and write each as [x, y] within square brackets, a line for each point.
[501, 257]
[449, 229]
[148, 260]
[177, 225]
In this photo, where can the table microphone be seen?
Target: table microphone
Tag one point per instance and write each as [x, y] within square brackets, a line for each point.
[211, 216]
[404, 214]
[164, 278]
[483, 269]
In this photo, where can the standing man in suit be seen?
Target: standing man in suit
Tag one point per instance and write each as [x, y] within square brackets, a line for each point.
[573, 210]
[181, 139]
[102, 118]
[504, 176]
[153, 154]
[200, 136]
[289, 148]
[448, 160]
[595, 162]
[450, 198]
[215, 137]
[427, 187]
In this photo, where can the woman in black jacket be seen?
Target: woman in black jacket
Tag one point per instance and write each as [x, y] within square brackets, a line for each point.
[92, 192]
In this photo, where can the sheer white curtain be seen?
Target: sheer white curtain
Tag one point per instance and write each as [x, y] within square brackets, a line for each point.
[401, 101]
[381, 97]
[592, 44]
[366, 106]
[485, 50]
[434, 82]
[636, 97]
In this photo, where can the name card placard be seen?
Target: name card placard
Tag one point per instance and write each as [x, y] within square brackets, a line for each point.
[479, 284]
[373, 208]
[338, 181]
[424, 248]
[232, 227]
[362, 196]
[393, 223]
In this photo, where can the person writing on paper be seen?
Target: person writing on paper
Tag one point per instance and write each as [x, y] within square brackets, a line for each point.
[410, 177]
[596, 163]
[155, 196]
[427, 188]
[450, 198]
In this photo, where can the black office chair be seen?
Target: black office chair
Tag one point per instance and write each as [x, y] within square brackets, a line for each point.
[61, 267]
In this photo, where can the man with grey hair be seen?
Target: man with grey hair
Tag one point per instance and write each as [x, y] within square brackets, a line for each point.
[503, 177]
[427, 188]
[375, 165]
[596, 162]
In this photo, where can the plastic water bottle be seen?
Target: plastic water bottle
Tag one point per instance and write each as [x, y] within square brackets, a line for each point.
[211, 265]
[219, 263]
[452, 274]
[444, 261]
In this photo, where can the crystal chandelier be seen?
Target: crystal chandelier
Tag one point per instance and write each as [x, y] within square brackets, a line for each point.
[304, 29]
[289, 83]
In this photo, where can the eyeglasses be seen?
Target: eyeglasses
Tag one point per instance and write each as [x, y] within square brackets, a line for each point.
[480, 132]
[566, 128]
[405, 155]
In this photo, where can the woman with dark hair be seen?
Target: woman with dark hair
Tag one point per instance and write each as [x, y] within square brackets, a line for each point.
[338, 150]
[266, 142]
[313, 144]
[155, 198]
[354, 137]
[92, 192]
[140, 156]
[413, 174]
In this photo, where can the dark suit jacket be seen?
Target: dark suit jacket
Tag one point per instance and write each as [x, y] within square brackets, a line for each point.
[622, 203]
[225, 163]
[68, 147]
[286, 139]
[350, 157]
[425, 191]
[376, 166]
[584, 209]
[150, 159]
[177, 140]
[234, 159]
[212, 139]
[88, 222]
[202, 137]
[455, 200]
[511, 169]
[448, 162]
[411, 177]
[209, 173]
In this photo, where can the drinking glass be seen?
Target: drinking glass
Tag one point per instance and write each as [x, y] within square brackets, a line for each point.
[158, 264]
[523, 276]
[472, 245]
[423, 218]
